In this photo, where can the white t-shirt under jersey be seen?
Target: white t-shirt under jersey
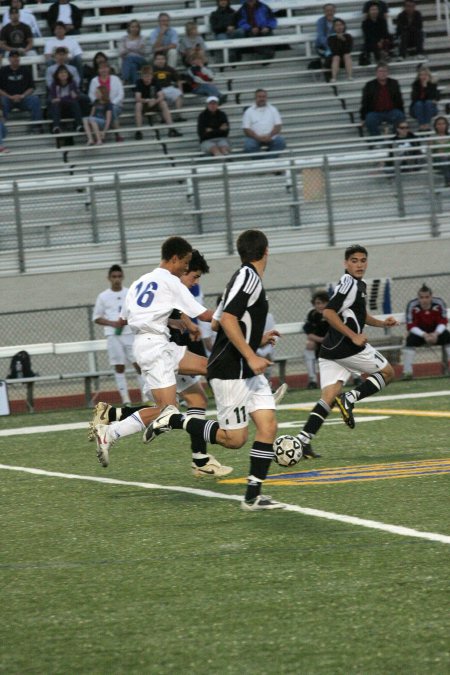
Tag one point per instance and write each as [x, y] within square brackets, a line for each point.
[151, 300]
[109, 305]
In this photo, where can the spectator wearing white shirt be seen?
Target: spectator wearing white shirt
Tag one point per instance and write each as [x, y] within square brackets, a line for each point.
[61, 39]
[262, 126]
[24, 17]
[116, 92]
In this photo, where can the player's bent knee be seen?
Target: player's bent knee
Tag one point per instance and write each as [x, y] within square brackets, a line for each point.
[235, 438]
[388, 373]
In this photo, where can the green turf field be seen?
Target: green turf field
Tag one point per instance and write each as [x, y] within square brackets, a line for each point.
[116, 578]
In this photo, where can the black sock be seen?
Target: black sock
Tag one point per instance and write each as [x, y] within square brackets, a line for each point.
[206, 428]
[316, 418]
[372, 385]
[261, 456]
[125, 411]
[198, 443]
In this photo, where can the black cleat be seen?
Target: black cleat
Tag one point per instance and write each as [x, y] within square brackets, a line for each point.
[308, 452]
[346, 409]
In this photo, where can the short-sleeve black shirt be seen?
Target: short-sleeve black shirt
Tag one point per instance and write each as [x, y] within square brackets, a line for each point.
[349, 302]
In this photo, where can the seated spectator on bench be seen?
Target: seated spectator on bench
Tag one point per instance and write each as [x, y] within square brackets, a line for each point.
[132, 51]
[3, 134]
[406, 149]
[213, 129]
[164, 39]
[149, 99]
[91, 71]
[377, 40]
[61, 56]
[100, 119]
[62, 39]
[24, 17]
[223, 25]
[16, 35]
[16, 90]
[262, 126]
[67, 13]
[424, 97]
[115, 90]
[426, 322]
[167, 80]
[382, 7]
[324, 28]
[381, 102]
[191, 44]
[201, 79]
[64, 100]
[257, 20]
[340, 44]
[440, 147]
[409, 31]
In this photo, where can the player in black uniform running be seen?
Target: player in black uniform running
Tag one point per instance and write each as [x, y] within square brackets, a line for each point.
[346, 350]
[236, 373]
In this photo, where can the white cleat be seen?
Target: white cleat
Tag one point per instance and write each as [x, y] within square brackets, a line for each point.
[100, 416]
[161, 424]
[280, 393]
[213, 469]
[262, 503]
[103, 436]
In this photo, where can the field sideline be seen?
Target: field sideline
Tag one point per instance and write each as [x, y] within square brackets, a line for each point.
[110, 572]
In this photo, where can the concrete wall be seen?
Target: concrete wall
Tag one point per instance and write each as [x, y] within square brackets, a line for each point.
[38, 291]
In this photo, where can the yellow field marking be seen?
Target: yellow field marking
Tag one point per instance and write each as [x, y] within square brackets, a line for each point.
[398, 411]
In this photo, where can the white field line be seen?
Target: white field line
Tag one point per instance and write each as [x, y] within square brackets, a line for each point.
[316, 513]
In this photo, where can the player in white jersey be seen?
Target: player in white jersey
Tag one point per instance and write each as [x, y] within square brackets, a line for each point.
[148, 306]
[108, 307]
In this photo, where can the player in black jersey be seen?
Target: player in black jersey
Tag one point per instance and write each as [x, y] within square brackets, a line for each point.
[315, 327]
[235, 372]
[345, 349]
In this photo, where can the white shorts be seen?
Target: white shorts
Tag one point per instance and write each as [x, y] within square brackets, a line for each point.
[186, 381]
[120, 349]
[236, 399]
[171, 94]
[368, 361]
[158, 360]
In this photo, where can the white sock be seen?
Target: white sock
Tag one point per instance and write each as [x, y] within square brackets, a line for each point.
[310, 363]
[140, 379]
[130, 425]
[121, 384]
[408, 360]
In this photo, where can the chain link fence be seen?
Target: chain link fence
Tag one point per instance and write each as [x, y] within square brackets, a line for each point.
[70, 324]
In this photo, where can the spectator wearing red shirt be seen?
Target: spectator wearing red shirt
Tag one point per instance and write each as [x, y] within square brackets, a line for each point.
[426, 321]
[381, 101]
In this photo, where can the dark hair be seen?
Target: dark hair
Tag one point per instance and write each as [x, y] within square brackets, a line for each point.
[425, 289]
[14, 10]
[60, 23]
[251, 245]
[96, 55]
[257, 91]
[321, 295]
[60, 69]
[175, 246]
[21, 3]
[441, 117]
[198, 263]
[159, 54]
[340, 21]
[114, 268]
[355, 248]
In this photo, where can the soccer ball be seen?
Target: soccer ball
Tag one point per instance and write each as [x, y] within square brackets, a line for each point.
[287, 450]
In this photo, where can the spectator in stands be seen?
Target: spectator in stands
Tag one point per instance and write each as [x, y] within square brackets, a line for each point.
[382, 6]
[315, 327]
[67, 13]
[262, 126]
[223, 25]
[149, 99]
[132, 50]
[64, 100]
[201, 79]
[377, 40]
[257, 20]
[100, 119]
[3, 134]
[164, 39]
[62, 39]
[381, 102]
[213, 129]
[24, 17]
[167, 80]
[426, 322]
[340, 44]
[324, 28]
[16, 90]
[440, 147]
[191, 44]
[410, 31]
[405, 147]
[16, 35]
[424, 97]
[115, 90]
[91, 71]
[61, 56]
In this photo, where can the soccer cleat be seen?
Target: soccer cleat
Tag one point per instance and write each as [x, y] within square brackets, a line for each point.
[161, 424]
[213, 468]
[346, 409]
[100, 416]
[104, 442]
[308, 452]
[261, 503]
[280, 393]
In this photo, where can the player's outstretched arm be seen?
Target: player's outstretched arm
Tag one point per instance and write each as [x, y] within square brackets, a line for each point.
[381, 323]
